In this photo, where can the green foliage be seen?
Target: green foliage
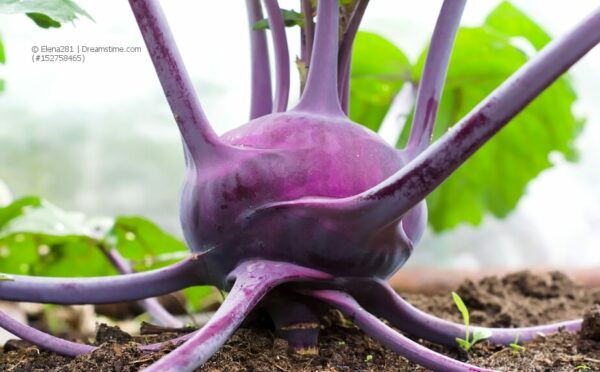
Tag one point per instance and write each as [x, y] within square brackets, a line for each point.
[478, 335]
[38, 238]
[45, 13]
[290, 18]
[2, 61]
[142, 241]
[2, 56]
[43, 20]
[379, 69]
[494, 179]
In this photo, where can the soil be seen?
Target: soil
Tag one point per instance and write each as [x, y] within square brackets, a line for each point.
[518, 299]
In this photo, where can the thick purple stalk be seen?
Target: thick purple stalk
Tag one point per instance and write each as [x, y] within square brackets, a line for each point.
[151, 305]
[345, 53]
[320, 94]
[60, 346]
[307, 32]
[105, 289]
[380, 299]
[380, 331]
[387, 202]
[43, 340]
[282, 56]
[199, 137]
[253, 279]
[434, 76]
[261, 101]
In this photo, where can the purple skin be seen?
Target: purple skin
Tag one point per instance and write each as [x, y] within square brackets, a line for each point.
[307, 196]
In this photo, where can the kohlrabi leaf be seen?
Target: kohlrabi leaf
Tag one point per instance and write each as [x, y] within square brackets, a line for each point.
[46, 219]
[496, 177]
[200, 297]
[379, 69]
[510, 21]
[140, 240]
[290, 18]
[2, 61]
[38, 238]
[43, 20]
[45, 13]
[17, 208]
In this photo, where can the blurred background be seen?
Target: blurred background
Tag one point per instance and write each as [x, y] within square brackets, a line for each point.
[98, 136]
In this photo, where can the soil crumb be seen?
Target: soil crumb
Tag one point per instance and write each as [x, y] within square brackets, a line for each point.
[518, 299]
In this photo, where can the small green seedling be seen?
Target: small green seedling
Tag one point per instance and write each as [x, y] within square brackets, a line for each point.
[582, 367]
[478, 335]
[369, 358]
[516, 348]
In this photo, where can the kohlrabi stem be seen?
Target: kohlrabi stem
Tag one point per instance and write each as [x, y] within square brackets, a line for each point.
[380, 299]
[282, 56]
[199, 137]
[104, 289]
[404, 346]
[434, 76]
[63, 347]
[261, 101]
[151, 305]
[320, 95]
[43, 340]
[308, 32]
[253, 279]
[345, 53]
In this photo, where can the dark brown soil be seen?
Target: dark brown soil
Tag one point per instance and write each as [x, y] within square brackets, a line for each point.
[516, 300]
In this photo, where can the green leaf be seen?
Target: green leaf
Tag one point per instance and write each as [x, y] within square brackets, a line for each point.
[290, 18]
[464, 312]
[48, 12]
[379, 69]
[18, 208]
[463, 344]
[43, 20]
[480, 335]
[38, 238]
[140, 240]
[2, 61]
[45, 219]
[510, 21]
[2, 56]
[199, 297]
[494, 179]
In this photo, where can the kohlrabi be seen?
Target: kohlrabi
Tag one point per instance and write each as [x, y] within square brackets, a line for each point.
[303, 206]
